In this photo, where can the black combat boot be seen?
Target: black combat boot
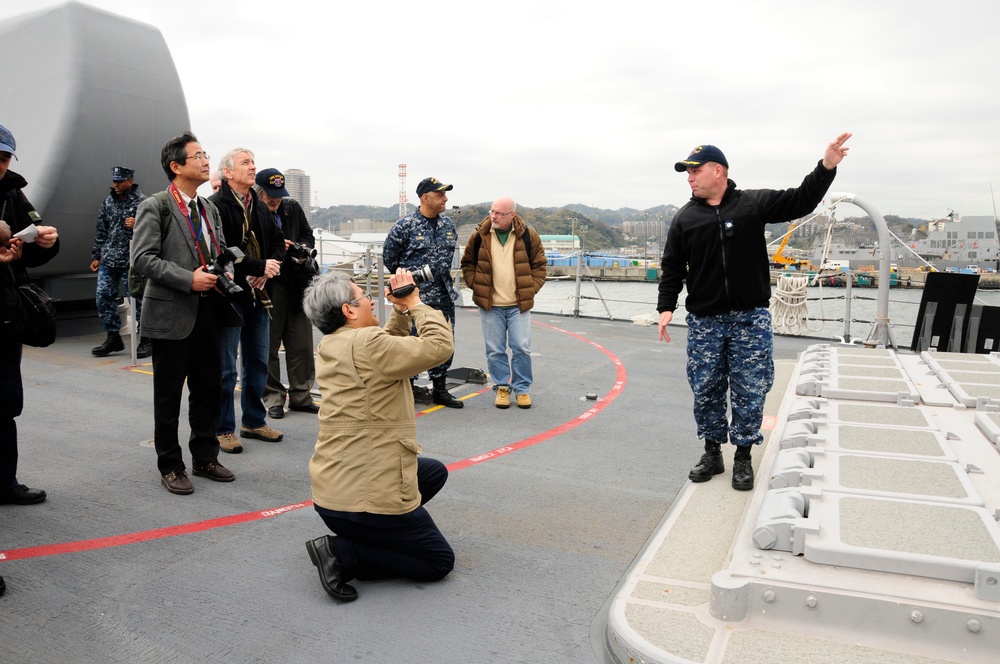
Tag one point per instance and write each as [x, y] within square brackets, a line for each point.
[421, 394]
[112, 344]
[442, 396]
[742, 469]
[710, 465]
[144, 349]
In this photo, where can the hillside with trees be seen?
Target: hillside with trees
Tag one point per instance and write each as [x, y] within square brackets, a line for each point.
[599, 229]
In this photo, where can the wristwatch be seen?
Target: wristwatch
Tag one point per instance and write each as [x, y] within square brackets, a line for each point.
[401, 312]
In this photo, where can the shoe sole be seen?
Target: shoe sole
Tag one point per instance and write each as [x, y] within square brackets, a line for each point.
[743, 487]
[524, 407]
[314, 557]
[201, 473]
[276, 415]
[502, 406]
[33, 501]
[701, 478]
[247, 434]
[176, 492]
[232, 450]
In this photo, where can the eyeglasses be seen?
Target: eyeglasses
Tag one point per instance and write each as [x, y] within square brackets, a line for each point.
[203, 156]
[356, 301]
[500, 214]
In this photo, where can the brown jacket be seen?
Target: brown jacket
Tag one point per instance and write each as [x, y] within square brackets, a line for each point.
[366, 452]
[477, 271]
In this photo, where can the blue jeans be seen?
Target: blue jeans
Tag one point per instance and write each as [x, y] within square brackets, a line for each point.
[503, 327]
[254, 339]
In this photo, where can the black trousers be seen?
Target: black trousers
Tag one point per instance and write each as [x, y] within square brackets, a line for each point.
[11, 402]
[198, 359]
[381, 546]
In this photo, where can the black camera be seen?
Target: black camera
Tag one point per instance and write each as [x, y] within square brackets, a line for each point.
[420, 275]
[218, 268]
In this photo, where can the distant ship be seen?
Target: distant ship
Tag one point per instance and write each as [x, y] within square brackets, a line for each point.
[953, 243]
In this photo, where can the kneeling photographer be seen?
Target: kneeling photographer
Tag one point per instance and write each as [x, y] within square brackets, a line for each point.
[368, 484]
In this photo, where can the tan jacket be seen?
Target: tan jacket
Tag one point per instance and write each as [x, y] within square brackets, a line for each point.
[366, 452]
[529, 271]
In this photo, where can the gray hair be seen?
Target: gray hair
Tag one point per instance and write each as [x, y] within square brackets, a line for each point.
[325, 298]
[229, 161]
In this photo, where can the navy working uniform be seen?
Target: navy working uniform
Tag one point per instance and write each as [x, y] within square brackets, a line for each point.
[720, 252]
[415, 241]
[111, 249]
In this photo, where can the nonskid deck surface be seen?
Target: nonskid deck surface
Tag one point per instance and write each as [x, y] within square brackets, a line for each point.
[546, 508]
[871, 536]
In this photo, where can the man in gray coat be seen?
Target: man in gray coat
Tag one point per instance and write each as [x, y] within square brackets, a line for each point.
[180, 306]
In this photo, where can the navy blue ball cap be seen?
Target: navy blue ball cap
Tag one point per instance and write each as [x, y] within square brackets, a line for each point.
[7, 142]
[701, 155]
[272, 181]
[432, 184]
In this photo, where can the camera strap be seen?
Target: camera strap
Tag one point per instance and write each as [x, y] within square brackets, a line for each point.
[199, 242]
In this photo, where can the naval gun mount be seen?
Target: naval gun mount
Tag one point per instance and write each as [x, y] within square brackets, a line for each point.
[91, 90]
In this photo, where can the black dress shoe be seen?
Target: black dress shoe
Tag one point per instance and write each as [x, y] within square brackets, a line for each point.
[276, 412]
[214, 471]
[742, 475]
[21, 495]
[421, 394]
[311, 408]
[709, 466]
[322, 556]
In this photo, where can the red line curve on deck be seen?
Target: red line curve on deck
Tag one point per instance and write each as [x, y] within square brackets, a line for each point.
[219, 522]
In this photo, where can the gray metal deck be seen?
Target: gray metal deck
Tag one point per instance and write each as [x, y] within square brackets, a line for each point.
[872, 534]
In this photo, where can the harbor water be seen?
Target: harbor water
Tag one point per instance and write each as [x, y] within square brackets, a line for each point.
[826, 306]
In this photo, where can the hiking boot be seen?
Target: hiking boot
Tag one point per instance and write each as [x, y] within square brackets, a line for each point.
[112, 344]
[711, 464]
[262, 432]
[523, 401]
[144, 349]
[742, 474]
[228, 442]
[503, 398]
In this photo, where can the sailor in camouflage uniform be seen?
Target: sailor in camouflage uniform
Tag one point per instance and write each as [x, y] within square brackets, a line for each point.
[428, 237]
[110, 257]
[716, 247]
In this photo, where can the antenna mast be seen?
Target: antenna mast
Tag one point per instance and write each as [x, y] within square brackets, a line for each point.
[402, 191]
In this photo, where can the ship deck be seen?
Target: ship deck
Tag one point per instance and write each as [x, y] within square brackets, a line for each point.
[556, 514]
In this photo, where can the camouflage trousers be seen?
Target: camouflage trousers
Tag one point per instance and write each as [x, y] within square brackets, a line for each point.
[448, 309]
[108, 281]
[730, 353]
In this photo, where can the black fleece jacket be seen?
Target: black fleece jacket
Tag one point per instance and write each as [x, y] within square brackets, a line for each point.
[269, 237]
[719, 251]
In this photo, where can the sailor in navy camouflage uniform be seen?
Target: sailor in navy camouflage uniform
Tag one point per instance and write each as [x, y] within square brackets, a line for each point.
[716, 247]
[110, 257]
[428, 237]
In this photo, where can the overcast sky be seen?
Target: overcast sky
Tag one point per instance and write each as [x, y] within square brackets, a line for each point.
[556, 102]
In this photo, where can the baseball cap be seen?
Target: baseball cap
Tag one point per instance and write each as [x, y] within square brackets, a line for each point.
[7, 142]
[120, 173]
[701, 155]
[272, 181]
[432, 184]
